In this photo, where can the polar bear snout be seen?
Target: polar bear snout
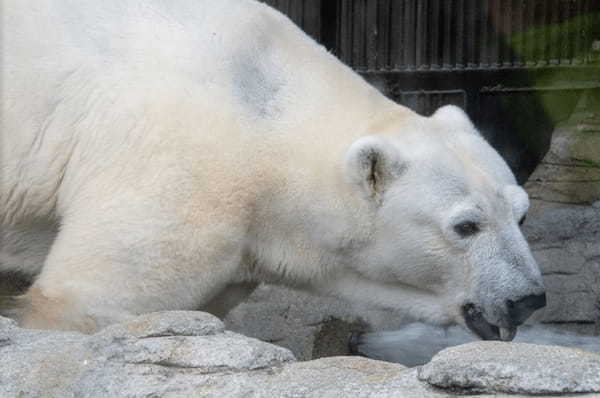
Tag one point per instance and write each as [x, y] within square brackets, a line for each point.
[520, 310]
[515, 313]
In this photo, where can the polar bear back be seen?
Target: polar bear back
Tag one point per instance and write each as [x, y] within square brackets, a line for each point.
[108, 75]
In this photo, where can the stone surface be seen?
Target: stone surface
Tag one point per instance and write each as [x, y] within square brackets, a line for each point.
[563, 226]
[565, 241]
[514, 368]
[170, 323]
[130, 359]
[189, 354]
[570, 171]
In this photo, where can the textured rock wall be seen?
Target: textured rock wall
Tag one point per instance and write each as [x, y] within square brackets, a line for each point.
[570, 171]
[564, 226]
[566, 243]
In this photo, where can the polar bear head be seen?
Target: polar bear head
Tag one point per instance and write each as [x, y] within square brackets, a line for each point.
[445, 244]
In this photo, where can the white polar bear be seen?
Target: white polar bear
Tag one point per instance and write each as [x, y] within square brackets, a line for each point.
[170, 155]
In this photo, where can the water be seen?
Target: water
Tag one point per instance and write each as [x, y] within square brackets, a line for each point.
[417, 343]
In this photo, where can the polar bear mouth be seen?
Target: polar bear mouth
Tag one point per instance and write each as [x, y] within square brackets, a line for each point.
[477, 323]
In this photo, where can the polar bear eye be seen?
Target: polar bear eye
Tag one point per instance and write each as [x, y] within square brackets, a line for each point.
[522, 220]
[466, 229]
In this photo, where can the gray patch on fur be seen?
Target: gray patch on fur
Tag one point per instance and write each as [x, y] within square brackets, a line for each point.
[257, 86]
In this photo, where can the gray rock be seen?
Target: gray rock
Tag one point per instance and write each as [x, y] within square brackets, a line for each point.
[559, 260]
[496, 367]
[39, 363]
[226, 351]
[129, 359]
[323, 378]
[168, 323]
[328, 377]
[570, 171]
[549, 225]
[570, 307]
[188, 354]
[566, 243]
[182, 354]
[568, 283]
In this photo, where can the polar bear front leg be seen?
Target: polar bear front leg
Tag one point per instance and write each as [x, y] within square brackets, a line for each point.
[108, 269]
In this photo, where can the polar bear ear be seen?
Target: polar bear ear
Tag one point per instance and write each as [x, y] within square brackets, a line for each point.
[455, 119]
[372, 163]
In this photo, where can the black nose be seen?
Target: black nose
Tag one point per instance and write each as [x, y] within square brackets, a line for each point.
[521, 309]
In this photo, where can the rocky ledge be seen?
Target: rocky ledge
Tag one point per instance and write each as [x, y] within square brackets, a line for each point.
[189, 354]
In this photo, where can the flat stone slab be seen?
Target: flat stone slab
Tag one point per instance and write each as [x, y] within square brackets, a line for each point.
[516, 368]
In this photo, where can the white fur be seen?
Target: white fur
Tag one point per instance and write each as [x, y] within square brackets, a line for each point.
[184, 147]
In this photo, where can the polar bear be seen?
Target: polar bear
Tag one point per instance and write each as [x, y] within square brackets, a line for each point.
[171, 155]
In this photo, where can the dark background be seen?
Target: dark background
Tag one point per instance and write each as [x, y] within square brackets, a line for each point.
[517, 67]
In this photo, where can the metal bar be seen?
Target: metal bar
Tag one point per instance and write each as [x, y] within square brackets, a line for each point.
[409, 33]
[312, 18]
[460, 34]
[506, 39]
[472, 37]
[579, 36]
[433, 34]
[543, 25]
[358, 45]
[554, 33]
[517, 33]
[447, 47]
[371, 34]
[345, 35]
[529, 31]
[563, 32]
[396, 35]
[382, 33]
[495, 26]
[484, 18]
[421, 46]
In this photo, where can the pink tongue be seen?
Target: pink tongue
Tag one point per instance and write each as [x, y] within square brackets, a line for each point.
[507, 334]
